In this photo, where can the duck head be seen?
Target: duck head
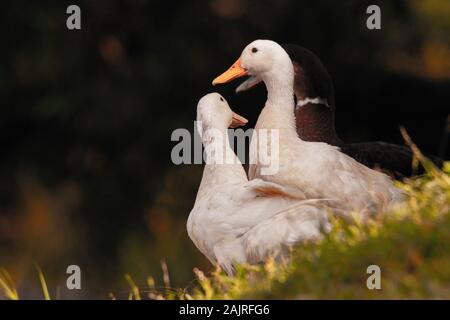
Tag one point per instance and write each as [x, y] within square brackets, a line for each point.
[314, 93]
[262, 60]
[213, 111]
[312, 79]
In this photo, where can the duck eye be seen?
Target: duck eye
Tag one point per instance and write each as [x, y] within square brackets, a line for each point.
[221, 99]
[254, 50]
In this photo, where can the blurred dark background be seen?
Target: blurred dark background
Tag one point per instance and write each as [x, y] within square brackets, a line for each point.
[86, 117]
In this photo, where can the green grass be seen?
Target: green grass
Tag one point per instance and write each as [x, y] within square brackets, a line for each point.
[42, 282]
[411, 245]
[8, 287]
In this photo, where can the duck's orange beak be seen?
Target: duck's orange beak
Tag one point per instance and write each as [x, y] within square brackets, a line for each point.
[235, 71]
[237, 121]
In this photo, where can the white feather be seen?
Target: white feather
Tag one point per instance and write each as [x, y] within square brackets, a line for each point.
[239, 221]
[317, 169]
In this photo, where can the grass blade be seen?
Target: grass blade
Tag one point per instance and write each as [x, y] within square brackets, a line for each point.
[43, 282]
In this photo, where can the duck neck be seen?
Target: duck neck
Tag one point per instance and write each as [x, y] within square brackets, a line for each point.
[315, 121]
[280, 90]
[222, 164]
[280, 100]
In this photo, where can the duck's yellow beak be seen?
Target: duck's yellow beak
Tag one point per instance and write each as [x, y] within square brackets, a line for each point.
[238, 121]
[235, 71]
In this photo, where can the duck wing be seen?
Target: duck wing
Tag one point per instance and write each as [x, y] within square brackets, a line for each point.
[245, 222]
[276, 235]
[263, 188]
[392, 159]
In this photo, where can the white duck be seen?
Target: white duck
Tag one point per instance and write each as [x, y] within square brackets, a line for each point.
[239, 221]
[317, 169]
